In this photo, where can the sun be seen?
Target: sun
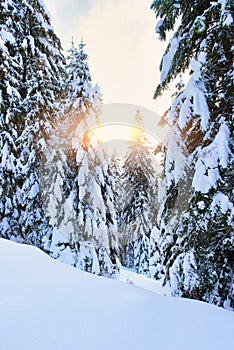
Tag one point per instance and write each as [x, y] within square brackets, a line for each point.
[111, 132]
[136, 133]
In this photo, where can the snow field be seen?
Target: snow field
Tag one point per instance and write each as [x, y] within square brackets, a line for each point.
[47, 305]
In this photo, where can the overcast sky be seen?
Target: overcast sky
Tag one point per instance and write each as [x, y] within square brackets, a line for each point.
[124, 51]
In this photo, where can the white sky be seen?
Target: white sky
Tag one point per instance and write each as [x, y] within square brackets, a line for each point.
[124, 51]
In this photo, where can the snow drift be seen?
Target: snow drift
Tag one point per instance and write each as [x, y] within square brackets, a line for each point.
[47, 305]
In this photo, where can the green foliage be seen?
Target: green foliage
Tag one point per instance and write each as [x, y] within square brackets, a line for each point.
[30, 84]
[197, 211]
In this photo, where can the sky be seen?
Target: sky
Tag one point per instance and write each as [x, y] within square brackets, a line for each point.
[124, 51]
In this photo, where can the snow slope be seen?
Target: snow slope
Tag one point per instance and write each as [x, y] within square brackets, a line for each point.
[131, 277]
[46, 305]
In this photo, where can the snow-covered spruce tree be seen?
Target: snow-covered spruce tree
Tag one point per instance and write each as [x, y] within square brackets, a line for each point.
[95, 222]
[79, 109]
[115, 183]
[110, 192]
[95, 234]
[10, 120]
[174, 186]
[37, 51]
[84, 235]
[115, 180]
[199, 254]
[60, 164]
[77, 104]
[40, 89]
[82, 98]
[108, 255]
[139, 208]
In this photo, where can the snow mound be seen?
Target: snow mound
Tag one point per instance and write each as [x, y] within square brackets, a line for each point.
[48, 305]
[131, 277]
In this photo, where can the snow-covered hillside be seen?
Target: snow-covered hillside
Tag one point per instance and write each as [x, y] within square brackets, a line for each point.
[47, 305]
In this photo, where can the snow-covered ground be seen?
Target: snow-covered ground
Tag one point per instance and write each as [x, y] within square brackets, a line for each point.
[47, 305]
[131, 277]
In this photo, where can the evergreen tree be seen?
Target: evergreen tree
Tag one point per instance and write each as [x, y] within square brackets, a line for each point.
[94, 212]
[75, 107]
[82, 99]
[198, 243]
[115, 182]
[95, 217]
[33, 52]
[41, 85]
[10, 100]
[155, 256]
[80, 197]
[139, 208]
[111, 196]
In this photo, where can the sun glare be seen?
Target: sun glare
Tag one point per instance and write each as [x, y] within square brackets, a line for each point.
[108, 133]
[119, 134]
[136, 133]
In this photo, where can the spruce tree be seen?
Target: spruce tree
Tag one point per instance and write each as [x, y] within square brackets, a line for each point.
[33, 52]
[84, 233]
[10, 119]
[41, 85]
[96, 226]
[76, 105]
[138, 212]
[82, 99]
[111, 196]
[198, 255]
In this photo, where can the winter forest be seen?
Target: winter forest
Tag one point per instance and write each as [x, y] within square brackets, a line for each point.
[62, 192]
